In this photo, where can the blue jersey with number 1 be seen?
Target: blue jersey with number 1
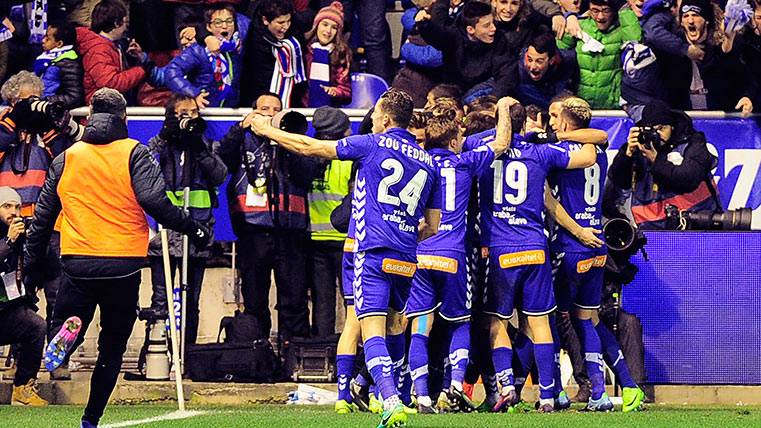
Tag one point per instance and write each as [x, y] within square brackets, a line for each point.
[456, 173]
[396, 182]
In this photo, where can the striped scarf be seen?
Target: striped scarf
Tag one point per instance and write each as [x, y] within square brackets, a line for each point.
[38, 21]
[289, 68]
[319, 75]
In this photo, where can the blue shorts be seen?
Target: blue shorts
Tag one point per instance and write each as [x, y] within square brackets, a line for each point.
[519, 277]
[382, 279]
[347, 273]
[441, 281]
[579, 280]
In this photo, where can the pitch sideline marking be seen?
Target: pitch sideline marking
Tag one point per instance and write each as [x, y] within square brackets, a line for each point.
[173, 416]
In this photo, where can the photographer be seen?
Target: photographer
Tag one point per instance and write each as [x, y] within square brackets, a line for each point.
[187, 160]
[32, 132]
[19, 322]
[268, 208]
[665, 161]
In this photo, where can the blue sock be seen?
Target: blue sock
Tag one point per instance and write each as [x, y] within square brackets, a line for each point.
[590, 343]
[396, 346]
[446, 381]
[556, 377]
[405, 384]
[380, 367]
[459, 350]
[503, 366]
[615, 356]
[361, 380]
[523, 348]
[545, 363]
[344, 369]
[419, 363]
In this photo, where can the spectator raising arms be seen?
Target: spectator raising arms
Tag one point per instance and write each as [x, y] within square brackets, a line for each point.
[327, 60]
[102, 60]
[59, 68]
[599, 51]
[212, 78]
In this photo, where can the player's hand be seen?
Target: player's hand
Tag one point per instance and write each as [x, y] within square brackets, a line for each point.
[16, 229]
[260, 124]
[588, 237]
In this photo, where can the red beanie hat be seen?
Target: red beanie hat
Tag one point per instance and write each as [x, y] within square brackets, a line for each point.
[333, 12]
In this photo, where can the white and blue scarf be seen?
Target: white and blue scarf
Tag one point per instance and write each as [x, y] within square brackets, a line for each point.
[289, 68]
[42, 62]
[319, 75]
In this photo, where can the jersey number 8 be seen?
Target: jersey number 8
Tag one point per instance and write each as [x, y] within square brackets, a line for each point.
[410, 193]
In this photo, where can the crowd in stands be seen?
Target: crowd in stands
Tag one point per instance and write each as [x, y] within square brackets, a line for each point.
[693, 54]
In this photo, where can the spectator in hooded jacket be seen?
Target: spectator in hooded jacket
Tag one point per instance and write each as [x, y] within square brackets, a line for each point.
[213, 79]
[327, 60]
[59, 67]
[476, 57]
[717, 82]
[599, 57]
[103, 62]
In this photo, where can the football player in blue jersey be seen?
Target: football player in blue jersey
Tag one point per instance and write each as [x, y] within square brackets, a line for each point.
[441, 281]
[512, 200]
[397, 202]
[580, 259]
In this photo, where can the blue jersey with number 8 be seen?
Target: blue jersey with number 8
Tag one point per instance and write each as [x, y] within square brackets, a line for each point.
[396, 182]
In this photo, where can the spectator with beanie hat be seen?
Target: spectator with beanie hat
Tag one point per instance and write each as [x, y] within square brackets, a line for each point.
[327, 60]
[327, 192]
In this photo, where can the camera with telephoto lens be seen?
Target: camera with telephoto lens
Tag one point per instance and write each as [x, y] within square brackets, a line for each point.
[193, 125]
[649, 137]
[739, 219]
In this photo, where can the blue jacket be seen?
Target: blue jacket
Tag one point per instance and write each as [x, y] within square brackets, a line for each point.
[659, 28]
[415, 51]
[191, 71]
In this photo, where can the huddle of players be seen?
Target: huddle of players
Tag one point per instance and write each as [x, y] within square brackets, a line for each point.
[409, 253]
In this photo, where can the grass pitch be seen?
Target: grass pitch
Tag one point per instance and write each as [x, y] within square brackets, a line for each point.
[273, 416]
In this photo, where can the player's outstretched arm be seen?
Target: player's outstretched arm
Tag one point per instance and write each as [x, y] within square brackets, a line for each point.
[296, 143]
[504, 127]
[584, 136]
[585, 235]
[429, 225]
[583, 158]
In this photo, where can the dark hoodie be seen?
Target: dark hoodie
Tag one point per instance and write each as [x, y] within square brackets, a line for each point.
[149, 188]
[468, 63]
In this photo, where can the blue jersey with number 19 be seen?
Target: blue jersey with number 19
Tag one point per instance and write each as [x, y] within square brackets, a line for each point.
[456, 173]
[512, 196]
[396, 182]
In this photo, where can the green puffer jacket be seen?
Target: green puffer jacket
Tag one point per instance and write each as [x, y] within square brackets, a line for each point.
[600, 73]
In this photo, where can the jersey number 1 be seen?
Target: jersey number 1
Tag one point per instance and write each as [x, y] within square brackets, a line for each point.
[410, 193]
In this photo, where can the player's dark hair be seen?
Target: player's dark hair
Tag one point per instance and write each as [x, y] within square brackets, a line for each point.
[445, 90]
[398, 105]
[533, 111]
[440, 131]
[486, 103]
[419, 119]
[478, 121]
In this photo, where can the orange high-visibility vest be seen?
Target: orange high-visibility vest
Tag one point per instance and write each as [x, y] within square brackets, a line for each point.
[101, 215]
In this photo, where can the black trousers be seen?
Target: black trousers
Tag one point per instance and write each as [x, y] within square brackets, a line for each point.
[630, 338]
[325, 265]
[284, 252]
[196, 270]
[117, 299]
[21, 326]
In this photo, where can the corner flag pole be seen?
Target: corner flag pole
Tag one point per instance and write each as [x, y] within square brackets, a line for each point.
[172, 321]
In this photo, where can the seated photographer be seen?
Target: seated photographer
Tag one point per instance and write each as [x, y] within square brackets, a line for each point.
[665, 162]
[19, 322]
[32, 133]
[186, 159]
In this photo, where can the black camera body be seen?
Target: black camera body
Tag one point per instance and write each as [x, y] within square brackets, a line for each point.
[193, 125]
[649, 137]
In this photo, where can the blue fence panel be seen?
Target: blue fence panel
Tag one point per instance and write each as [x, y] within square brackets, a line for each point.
[699, 297]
